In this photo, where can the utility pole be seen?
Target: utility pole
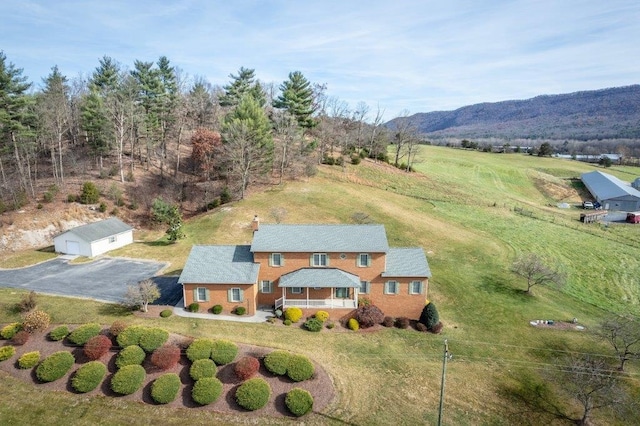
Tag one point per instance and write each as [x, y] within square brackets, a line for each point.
[444, 373]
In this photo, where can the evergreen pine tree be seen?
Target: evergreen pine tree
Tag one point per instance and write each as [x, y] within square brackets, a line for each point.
[242, 84]
[297, 99]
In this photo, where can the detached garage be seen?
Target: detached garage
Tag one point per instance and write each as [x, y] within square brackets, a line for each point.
[95, 238]
[611, 192]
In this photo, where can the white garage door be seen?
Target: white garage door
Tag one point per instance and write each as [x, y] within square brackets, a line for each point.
[73, 247]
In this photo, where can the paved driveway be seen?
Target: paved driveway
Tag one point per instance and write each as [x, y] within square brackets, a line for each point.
[105, 279]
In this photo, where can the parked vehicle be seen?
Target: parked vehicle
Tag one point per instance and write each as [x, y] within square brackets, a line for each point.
[633, 217]
[587, 205]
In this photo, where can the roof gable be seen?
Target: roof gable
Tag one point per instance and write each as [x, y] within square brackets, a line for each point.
[220, 265]
[605, 186]
[319, 278]
[99, 230]
[407, 262]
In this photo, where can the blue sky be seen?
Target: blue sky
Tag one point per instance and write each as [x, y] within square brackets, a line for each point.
[400, 56]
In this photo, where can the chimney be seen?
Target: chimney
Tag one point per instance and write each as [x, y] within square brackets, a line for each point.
[255, 224]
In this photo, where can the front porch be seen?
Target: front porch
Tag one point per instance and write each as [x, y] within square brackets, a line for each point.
[283, 303]
[319, 288]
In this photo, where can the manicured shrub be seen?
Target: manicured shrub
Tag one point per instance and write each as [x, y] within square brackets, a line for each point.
[153, 338]
[128, 379]
[206, 390]
[193, 307]
[166, 357]
[131, 355]
[253, 394]
[277, 362]
[59, 333]
[97, 346]
[131, 336]
[388, 321]
[299, 401]
[166, 313]
[202, 368]
[29, 360]
[199, 349]
[246, 367]
[117, 327]
[322, 316]
[28, 302]
[7, 352]
[429, 316]
[89, 376]
[313, 324]
[20, 338]
[10, 330]
[37, 320]
[82, 334]
[293, 314]
[300, 368]
[353, 324]
[369, 315]
[217, 309]
[437, 328]
[55, 366]
[223, 351]
[421, 327]
[240, 310]
[287, 322]
[331, 325]
[165, 388]
[403, 322]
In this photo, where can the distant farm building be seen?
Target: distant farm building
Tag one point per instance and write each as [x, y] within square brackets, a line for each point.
[615, 158]
[611, 192]
[95, 238]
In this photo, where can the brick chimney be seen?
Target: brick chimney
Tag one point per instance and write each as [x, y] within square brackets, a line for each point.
[255, 223]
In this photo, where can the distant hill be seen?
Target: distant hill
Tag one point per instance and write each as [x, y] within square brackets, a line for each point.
[598, 114]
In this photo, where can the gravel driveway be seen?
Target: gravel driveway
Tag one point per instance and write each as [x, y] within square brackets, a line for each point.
[104, 279]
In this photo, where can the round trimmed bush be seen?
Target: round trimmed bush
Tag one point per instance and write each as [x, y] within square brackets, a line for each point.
[37, 320]
[287, 322]
[403, 322]
[246, 367]
[388, 321]
[353, 324]
[202, 368]
[117, 327]
[253, 394]
[59, 333]
[313, 324]
[166, 357]
[97, 346]
[199, 349]
[240, 310]
[82, 334]
[193, 307]
[369, 315]
[55, 366]
[223, 351]
[300, 368]
[217, 309]
[166, 313]
[7, 352]
[128, 379]
[206, 390]
[20, 338]
[421, 327]
[277, 362]
[29, 360]
[131, 336]
[131, 355]
[299, 401]
[153, 338]
[165, 388]
[437, 328]
[10, 330]
[322, 316]
[293, 314]
[89, 376]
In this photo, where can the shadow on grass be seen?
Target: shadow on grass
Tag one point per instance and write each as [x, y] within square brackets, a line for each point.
[48, 249]
[498, 284]
[114, 309]
[161, 243]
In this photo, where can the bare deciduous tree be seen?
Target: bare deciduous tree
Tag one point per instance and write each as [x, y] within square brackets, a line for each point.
[141, 295]
[533, 268]
[623, 334]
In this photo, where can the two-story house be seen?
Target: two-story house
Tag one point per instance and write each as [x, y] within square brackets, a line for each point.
[314, 267]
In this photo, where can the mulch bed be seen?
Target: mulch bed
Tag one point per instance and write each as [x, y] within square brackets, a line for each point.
[320, 385]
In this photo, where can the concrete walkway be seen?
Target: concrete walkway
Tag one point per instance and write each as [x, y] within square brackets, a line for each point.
[260, 315]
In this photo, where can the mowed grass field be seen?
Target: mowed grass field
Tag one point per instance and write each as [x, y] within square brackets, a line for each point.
[472, 213]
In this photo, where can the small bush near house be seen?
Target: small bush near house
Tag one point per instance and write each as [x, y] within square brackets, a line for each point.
[217, 309]
[299, 401]
[55, 366]
[313, 324]
[10, 330]
[166, 313]
[429, 316]
[59, 333]
[28, 302]
[246, 367]
[287, 322]
[128, 379]
[153, 338]
[131, 355]
[277, 362]
[131, 335]
[29, 360]
[293, 314]
[240, 310]
[199, 349]
[97, 346]
[89, 376]
[20, 338]
[437, 328]
[165, 388]
[388, 321]
[202, 368]
[352, 324]
[223, 351]
[166, 357]
[403, 322]
[206, 390]
[369, 315]
[253, 394]
[421, 327]
[193, 307]
[7, 352]
[331, 325]
[82, 334]
[117, 327]
[300, 368]
[322, 316]
[37, 320]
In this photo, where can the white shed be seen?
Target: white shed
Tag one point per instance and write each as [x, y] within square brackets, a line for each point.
[95, 238]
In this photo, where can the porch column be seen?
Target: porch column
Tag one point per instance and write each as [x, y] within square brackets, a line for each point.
[284, 298]
[307, 297]
[355, 296]
[332, 290]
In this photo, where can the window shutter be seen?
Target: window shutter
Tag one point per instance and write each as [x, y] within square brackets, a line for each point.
[230, 295]
[241, 295]
[206, 294]
[195, 294]
[311, 260]
[327, 257]
[270, 259]
[386, 287]
[369, 260]
[281, 259]
[367, 287]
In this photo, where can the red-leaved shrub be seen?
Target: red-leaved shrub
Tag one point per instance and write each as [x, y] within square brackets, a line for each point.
[166, 357]
[403, 322]
[369, 315]
[117, 327]
[97, 346]
[437, 328]
[388, 321]
[421, 327]
[20, 338]
[246, 367]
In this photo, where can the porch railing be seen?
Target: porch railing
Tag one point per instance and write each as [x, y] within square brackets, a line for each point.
[316, 303]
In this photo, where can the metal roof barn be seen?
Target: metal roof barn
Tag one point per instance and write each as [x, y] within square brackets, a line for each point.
[611, 192]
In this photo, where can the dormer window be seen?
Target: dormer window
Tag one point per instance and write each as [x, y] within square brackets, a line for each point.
[319, 259]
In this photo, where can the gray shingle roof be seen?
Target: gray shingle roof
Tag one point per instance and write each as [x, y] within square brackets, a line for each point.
[604, 186]
[220, 265]
[407, 262]
[100, 230]
[320, 238]
[319, 277]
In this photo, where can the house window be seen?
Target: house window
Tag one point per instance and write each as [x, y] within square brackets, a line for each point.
[266, 286]
[112, 239]
[364, 259]
[296, 290]
[235, 295]
[342, 293]
[364, 287]
[201, 294]
[415, 287]
[391, 287]
[319, 259]
[276, 259]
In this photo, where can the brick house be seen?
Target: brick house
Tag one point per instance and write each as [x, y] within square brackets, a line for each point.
[314, 267]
